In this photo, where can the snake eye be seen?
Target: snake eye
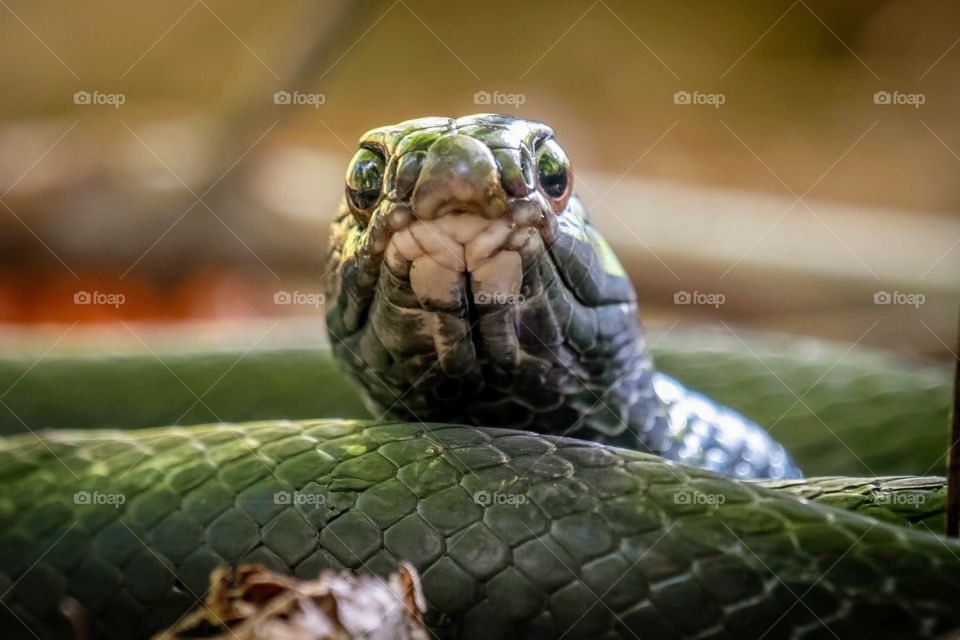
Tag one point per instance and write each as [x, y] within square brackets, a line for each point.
[553, 169]
[364, 179]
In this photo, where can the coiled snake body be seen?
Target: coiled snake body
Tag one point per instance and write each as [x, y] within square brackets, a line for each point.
[466, 285]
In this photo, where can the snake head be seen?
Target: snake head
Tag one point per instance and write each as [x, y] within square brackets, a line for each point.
[465, 280]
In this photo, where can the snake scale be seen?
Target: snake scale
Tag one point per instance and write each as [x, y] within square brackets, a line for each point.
[466, 285]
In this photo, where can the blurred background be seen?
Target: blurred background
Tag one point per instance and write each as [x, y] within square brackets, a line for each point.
[774, 165]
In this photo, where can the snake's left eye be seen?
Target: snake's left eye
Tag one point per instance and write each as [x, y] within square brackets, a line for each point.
[364, 180]
[553, 169]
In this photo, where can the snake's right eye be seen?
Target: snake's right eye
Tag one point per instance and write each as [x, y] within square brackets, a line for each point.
[553, 173]
[364, 182]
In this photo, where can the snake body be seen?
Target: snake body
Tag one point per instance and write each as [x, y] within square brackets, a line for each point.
[516, 533]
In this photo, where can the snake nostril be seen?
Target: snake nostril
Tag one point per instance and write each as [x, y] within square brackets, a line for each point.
[408, 170]
[516, 170]
[529, 168]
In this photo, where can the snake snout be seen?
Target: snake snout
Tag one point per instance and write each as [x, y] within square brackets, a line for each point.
[459, 175]
[463, 226]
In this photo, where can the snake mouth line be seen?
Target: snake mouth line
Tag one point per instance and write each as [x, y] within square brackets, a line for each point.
[461, 259]
[463, 263]
[468, 294]
[457, 284]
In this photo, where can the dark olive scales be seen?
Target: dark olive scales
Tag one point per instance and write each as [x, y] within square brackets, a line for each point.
[516, 534]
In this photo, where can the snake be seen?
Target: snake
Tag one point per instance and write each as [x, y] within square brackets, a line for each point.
[525, 453]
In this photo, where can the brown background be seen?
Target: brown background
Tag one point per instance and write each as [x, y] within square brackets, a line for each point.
[693, 198]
